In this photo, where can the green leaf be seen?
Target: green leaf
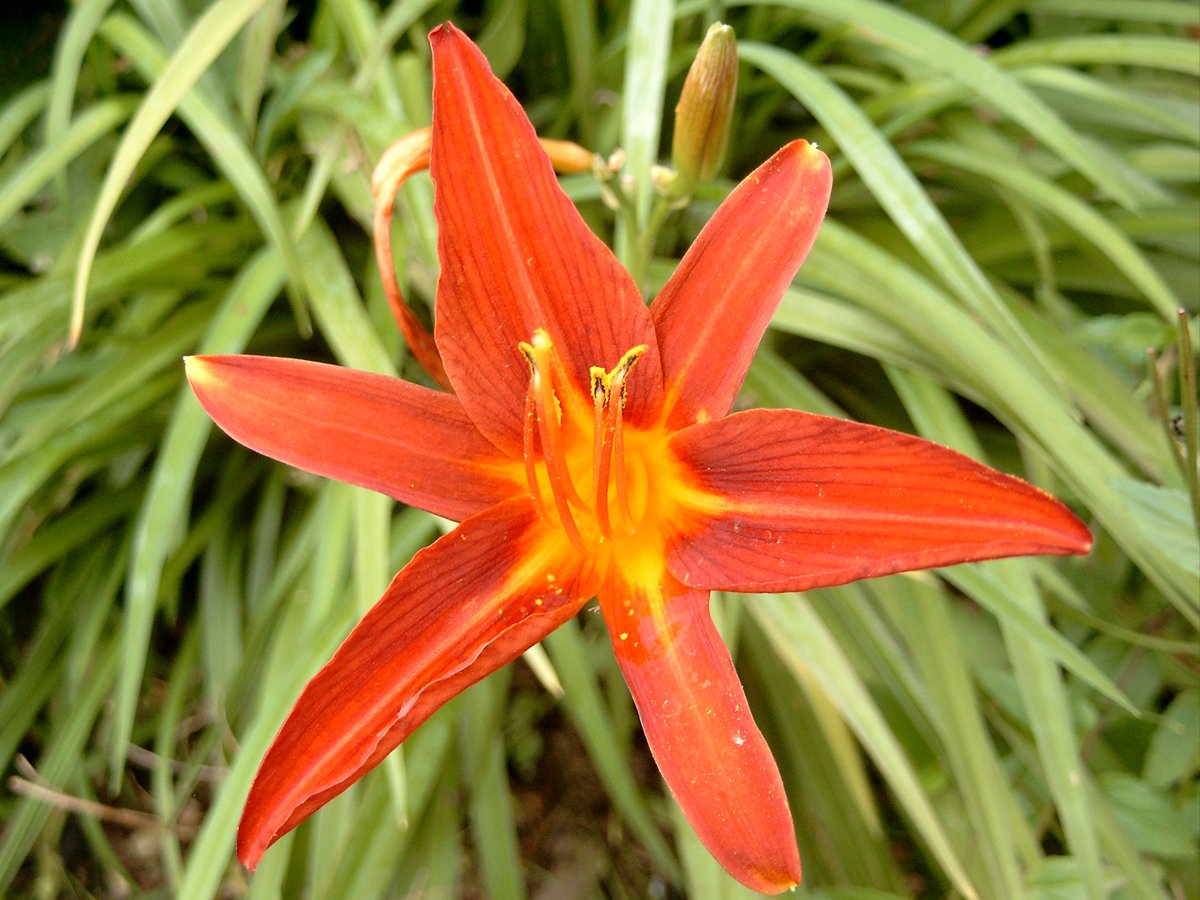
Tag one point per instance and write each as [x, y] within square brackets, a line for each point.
[894, 185]
[1058, 878]
[170, 485]
[1056, 201]
[804, 643]
[931, 48]
[646, 53]
[1153, 822]
[1174, 754]
[583, 704]
[1165, 517]
[37, 170]
[209, 35]
[1156, 51]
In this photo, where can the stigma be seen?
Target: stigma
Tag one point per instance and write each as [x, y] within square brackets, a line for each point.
[584, 470]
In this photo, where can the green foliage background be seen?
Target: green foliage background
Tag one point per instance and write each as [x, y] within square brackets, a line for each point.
[1014, 223]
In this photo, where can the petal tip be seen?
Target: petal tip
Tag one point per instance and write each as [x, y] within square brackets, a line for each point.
[444, 31]
[808, 153]
[258, 830]
[250, 850]
[1067, 535]
[777, 877]
[771, 881]
[1079, 541]
[200, 368]
[197, 371]
[813, 162]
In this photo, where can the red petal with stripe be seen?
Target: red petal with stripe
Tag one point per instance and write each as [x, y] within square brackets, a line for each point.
[466, 605]
[382, 433]
[804, 501]
[712, 313]
[698, 724]
[516, 256]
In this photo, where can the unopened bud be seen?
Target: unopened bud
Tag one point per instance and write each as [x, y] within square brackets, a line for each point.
[567, 157]
[705, 107]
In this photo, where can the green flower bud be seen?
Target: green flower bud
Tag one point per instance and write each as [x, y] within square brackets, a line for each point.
[705, 107]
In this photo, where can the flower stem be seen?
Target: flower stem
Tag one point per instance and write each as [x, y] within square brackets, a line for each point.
[643, 246]
[1191, 425]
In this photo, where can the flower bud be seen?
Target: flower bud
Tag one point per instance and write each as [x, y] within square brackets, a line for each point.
[567, 157]
[705, 107]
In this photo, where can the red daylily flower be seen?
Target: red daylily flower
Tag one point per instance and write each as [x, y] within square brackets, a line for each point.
[587, 451]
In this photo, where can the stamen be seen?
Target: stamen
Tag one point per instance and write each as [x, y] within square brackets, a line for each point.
[608, 390]
[618, 386]
[535, 490]
[601, 458]
[544, 412]
[619, 453]
[537, 354]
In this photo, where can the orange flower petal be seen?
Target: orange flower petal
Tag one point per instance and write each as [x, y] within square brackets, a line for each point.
[712, 313]
[407, 156]
[516, 256]
[465, 606]
[698, 724]
[805, 501]
[401, 439]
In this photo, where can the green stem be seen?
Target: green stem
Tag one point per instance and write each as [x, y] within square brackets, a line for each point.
[1187, 400]
[1163, 407]
[643, 247]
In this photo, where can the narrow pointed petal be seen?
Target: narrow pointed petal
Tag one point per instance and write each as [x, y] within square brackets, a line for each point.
[802, 501]
[698, 724]
[465, 606]
[712, 313]
[517, 256]
[382, 433]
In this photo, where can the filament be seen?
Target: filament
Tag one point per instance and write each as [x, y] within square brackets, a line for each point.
[601, 457]
[546, 405]
[535, 490]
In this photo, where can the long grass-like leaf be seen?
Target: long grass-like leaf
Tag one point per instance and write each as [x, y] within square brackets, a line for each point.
[170, 483]
[38, 169]
[929, 47]
[60, 763]
[649, 41]
[894, 185]
[1056, 201]
[210, 35]
[216, 127]
[1037, 675]
[491, 812]
[583, 704]
[1000, 837]
[805, 645]
[1165, 12]
[1155, 51]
